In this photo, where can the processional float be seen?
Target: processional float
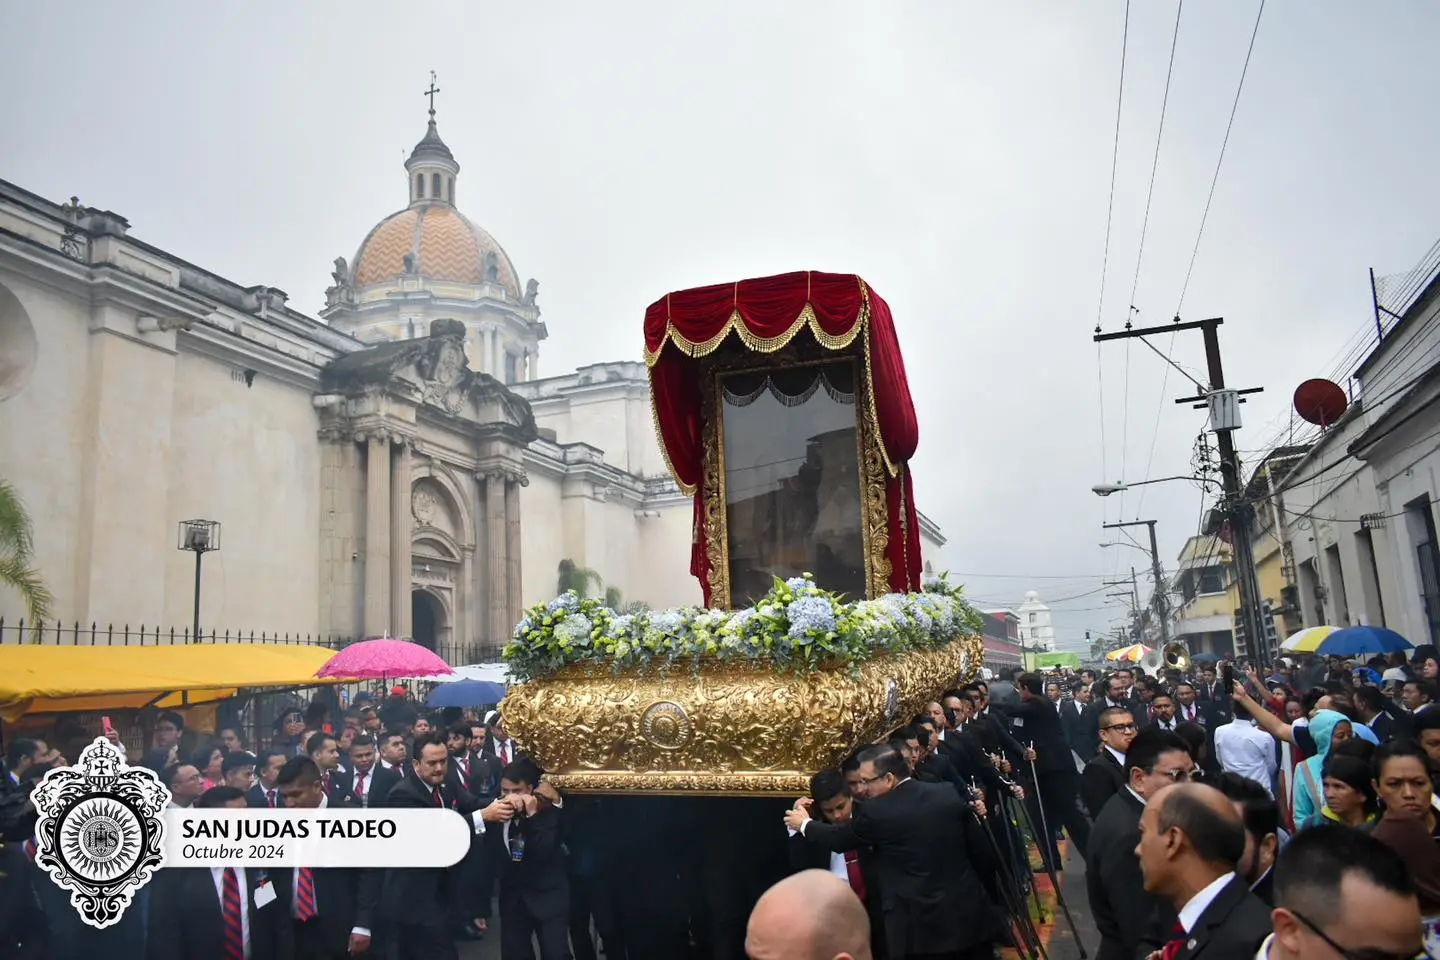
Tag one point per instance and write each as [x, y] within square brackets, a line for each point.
[782, 408]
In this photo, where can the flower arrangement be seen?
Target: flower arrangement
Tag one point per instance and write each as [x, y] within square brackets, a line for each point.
[796, 626]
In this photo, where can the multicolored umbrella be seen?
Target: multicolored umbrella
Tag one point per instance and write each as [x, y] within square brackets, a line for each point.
[383, 659]
[1307, 640]
[1133, 653]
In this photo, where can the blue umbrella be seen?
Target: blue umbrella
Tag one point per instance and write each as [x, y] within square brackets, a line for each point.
[466, 693]
[1353, 641]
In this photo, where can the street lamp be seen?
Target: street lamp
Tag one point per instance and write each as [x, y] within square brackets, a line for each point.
[1105, 489]
[200, 536]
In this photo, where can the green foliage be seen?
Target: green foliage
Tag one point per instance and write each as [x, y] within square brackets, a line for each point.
[571, 578]
[17, 545]
[796, 626]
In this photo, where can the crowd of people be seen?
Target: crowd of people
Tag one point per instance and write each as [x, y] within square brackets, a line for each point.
[1221, 814]
[1285, 816]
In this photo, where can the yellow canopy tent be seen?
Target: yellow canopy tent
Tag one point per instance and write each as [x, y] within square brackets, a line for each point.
[60, 679]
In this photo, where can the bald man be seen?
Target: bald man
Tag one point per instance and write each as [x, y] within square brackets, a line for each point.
[812, 915]
[1191, 838]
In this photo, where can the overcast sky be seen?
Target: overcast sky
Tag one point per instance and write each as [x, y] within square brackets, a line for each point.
[957, 155]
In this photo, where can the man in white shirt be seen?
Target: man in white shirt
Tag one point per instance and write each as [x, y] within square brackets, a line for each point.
[1242, 747]
[1191, 837]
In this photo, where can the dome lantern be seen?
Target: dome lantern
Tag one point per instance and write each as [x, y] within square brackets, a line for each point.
[431, 168]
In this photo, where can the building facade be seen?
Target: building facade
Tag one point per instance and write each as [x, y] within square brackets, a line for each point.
[399, 468]
[1203, 613]
[1358, 510]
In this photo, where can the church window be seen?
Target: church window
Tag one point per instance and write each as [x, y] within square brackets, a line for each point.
[419, 186]
[435, 185]
[512, 371]
[450, 189]
[492, 267]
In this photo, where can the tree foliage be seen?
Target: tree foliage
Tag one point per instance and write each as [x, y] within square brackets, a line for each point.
[17, 548]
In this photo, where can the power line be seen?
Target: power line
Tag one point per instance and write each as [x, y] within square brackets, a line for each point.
[1155, 161]
[1204, 217]
[1114, 162]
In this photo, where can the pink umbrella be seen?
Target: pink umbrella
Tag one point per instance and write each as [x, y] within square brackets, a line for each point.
[382, 659]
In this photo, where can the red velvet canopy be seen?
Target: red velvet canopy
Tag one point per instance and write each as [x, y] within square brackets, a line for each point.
[765, 314]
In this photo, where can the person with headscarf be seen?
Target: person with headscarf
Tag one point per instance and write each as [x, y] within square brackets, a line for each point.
[1327, 728]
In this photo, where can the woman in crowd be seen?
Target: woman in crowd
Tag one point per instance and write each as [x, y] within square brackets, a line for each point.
[1327, 728]
[210, 760]
[1349, 792]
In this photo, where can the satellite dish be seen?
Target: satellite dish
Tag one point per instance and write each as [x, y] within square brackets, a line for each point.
[1321, 402]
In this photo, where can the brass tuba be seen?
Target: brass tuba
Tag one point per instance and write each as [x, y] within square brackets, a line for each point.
[1177, 656]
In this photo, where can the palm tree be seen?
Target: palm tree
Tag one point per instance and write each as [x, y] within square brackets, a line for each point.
[571, 576]
[17, 545]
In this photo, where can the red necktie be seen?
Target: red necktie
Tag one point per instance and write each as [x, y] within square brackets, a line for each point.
[270, 798]
[360, 776]
[857, 879]
[1172, 949]
[231, 905]
[325, 784]
[465, 767]
[305, 895]
[439, 800]
[504, 754]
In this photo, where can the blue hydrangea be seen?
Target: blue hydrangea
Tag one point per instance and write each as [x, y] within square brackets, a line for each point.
[808, 616]
[619, 626]
[567, 602]
[801, 586]
[668, 622]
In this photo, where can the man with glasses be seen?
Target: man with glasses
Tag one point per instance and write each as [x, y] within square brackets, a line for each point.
[1105, 773]
[1340, 894]
[934, 902]
[1126, 916]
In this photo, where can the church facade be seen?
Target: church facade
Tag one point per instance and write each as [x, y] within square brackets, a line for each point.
[395, 467]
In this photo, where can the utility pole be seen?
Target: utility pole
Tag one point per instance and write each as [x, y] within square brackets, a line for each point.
[1162, 606]
[1224, 409]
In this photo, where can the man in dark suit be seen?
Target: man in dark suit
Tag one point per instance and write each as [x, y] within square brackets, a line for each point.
[1191, 837]
[324, 750]
[1057, 785]
[528, 858]
[1262, 831]
[1131, 922]
[417, 901]
[1380, 715]
[1115, 696]
[263, 793]
[1106, 775]
[217, 913]
[830, 796]
[366, 780]
[1072, 721]
[932, 901]
[333, 909]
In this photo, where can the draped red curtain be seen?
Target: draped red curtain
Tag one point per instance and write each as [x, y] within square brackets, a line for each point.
[838, 311]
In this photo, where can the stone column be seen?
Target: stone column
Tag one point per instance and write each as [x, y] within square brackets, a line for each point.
[491, 336]
[400, 487]
[512, 548]
[532, 364]
[499, 592]
[377, 536]
[464, 633]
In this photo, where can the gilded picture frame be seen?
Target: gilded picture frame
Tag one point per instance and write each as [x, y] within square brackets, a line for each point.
[874, 515]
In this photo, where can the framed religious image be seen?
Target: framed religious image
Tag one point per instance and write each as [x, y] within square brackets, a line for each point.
[799, 483]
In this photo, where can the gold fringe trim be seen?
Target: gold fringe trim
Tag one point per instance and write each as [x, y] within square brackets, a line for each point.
[686, 488]
[736, 324]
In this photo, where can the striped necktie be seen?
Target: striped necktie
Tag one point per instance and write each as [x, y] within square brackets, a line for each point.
[234, 923]
[305, 895]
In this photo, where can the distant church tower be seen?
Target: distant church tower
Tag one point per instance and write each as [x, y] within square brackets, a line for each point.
[1037, 632]
[428, 262]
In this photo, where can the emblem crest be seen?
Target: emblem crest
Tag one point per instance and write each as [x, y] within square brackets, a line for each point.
[101, 831]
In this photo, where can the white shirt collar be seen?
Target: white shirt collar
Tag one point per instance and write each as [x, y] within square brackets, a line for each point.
[1261, 878]
[324, 802]
[1135, 795]
[1190, 913]
[1119, 757]
[1264, 952]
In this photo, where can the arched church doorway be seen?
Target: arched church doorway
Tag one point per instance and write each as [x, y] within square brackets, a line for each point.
[426, 617]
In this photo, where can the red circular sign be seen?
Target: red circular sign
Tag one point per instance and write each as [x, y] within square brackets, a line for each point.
[1321, 402]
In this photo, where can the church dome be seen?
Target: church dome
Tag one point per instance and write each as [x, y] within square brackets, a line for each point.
[440, 245]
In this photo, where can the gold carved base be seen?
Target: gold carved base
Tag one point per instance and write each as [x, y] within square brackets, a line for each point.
[735, 729]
